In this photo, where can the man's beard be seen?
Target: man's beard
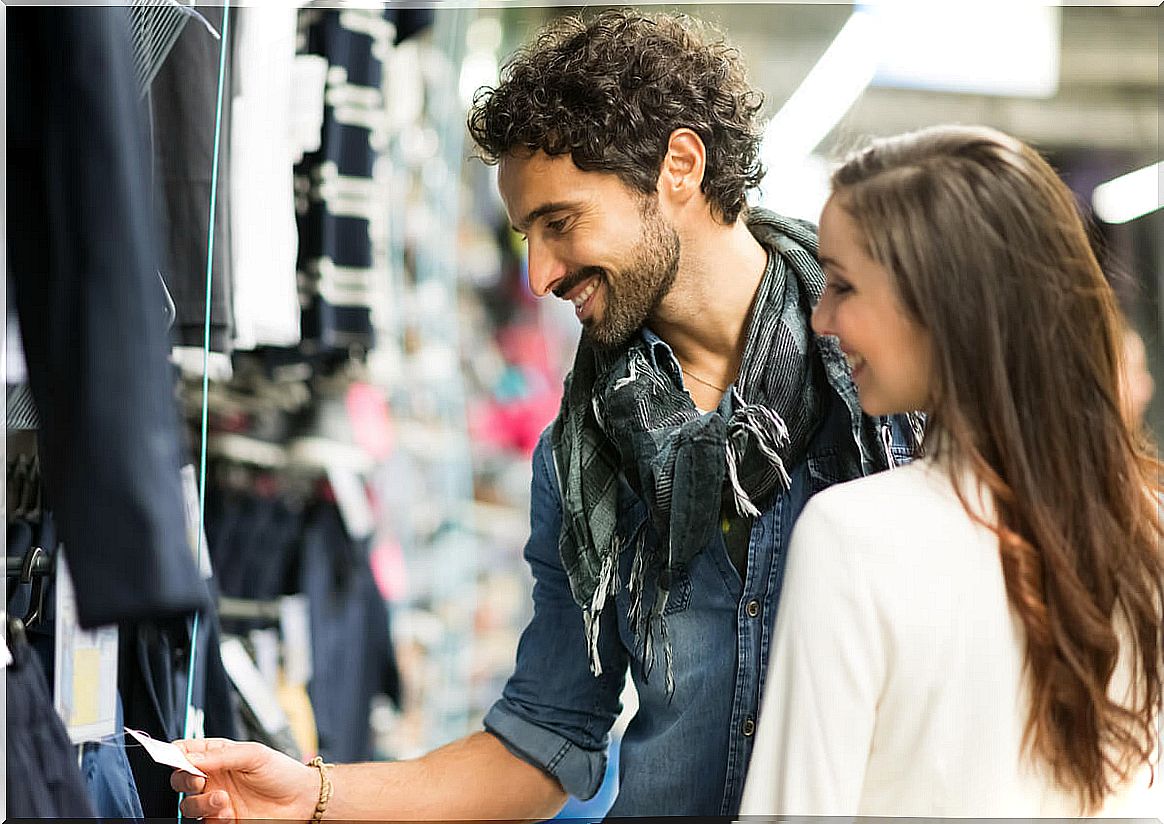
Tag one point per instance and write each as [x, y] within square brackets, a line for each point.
[635, 290]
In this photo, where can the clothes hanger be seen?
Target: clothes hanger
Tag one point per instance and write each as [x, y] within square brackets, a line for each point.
[29, 574]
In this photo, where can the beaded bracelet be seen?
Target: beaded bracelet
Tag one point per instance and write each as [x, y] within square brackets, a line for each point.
[324, 786]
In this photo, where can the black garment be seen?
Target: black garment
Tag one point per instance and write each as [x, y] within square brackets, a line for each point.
[83, 262]
[152, 661]
[42, 774]
[351, 650]
[410, 22]
[183, 101]
[153, 667]
[255, 543]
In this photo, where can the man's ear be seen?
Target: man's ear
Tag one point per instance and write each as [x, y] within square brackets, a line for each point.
[681, 174]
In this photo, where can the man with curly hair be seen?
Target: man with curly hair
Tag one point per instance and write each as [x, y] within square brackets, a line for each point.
[699, 416]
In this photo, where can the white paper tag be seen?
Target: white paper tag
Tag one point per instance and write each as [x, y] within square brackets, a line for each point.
[353, 503]
[165, 753]
[85, 677]
[201, 552]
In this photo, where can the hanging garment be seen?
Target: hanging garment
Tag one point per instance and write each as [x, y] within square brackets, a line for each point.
[105, 766]
[43, 780]
[154, 666]
[183, 100]
[262, 194]
[150, 656]
[108, 777]
[83, 256]
[255, 543]
[410, 22]
[351, 649]
[343, 202]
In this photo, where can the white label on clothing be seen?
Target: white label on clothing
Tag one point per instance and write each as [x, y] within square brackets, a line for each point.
[309, 81]
[295, 625]
[265, 643]
[352, 500]
[200, 552]
[251, 686]
[195, 722]
[5, 655]
[85, 668]
[165, 753]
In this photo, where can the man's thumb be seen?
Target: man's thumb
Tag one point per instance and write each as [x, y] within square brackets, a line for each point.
[226, 755]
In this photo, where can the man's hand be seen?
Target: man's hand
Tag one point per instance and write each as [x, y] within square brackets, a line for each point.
[246, 780]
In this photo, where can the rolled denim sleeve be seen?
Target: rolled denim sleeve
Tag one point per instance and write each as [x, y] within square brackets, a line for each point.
[554, 713]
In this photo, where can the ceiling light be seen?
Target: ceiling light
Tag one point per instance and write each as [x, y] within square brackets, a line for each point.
[1129, 196]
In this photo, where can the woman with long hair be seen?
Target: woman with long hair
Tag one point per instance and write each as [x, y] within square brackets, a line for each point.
[978, 633]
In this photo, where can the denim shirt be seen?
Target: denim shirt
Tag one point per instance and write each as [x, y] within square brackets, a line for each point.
[687, 754]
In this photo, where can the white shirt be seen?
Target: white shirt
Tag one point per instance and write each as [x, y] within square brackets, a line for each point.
[895, 684]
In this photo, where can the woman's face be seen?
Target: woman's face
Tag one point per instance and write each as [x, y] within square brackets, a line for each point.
[1136, 380]
[889, 354]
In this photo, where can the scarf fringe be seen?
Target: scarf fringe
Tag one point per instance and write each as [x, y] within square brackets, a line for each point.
[668, 659]
[769, 432]
[635, 584]
[607, 587]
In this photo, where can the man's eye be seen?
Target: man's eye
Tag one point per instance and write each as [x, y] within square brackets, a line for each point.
[839, 288]
[557, 225]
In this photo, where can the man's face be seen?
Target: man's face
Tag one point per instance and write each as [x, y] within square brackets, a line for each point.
[593, 241]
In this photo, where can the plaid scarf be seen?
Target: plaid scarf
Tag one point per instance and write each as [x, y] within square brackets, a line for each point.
[624, 412]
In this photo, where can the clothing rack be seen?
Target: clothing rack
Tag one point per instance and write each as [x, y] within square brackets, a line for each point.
[249, 609]
[41, 564]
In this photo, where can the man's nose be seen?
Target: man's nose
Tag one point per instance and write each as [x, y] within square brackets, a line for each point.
[545, 270]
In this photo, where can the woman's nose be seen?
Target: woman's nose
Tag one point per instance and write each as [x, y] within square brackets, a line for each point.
[822, 319]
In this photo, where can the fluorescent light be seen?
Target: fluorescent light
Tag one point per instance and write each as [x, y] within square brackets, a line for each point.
[995, 47]
[1129, 196]
[826, 94]
[799, 190]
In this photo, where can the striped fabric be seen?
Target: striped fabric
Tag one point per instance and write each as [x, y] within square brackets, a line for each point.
[20, 409]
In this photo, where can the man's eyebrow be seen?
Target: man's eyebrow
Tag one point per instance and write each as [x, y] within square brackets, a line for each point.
[544, 209]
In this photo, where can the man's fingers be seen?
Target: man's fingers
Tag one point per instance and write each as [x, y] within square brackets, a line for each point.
[207, 805]
[183, 782]
[214, 754]
[189, 745]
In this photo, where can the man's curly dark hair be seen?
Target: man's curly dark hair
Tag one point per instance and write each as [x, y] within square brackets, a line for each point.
[610, 91]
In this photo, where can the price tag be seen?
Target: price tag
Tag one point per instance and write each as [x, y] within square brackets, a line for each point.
[85, 677]
[165, 753]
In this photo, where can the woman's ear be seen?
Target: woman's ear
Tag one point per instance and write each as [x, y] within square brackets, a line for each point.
[681, 175]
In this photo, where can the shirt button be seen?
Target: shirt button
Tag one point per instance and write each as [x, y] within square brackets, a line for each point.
[749, 727]
[753, 608]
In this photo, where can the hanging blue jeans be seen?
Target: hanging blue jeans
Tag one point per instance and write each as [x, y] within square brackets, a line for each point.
[108, 776]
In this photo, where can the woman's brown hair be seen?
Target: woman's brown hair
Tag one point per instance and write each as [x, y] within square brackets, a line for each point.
[988, 253]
